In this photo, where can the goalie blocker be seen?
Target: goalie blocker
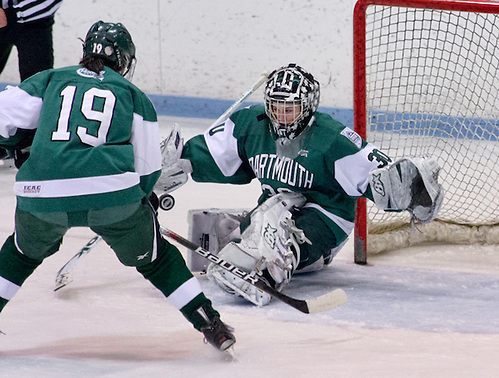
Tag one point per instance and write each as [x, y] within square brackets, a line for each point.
[174, 170]
[409, 184]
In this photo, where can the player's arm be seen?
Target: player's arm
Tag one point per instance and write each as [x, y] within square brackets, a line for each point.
[210, 157]
[18, 110]
[204, 167]
[408, 184]
[19, 114]
[215, 156]
[352, 160]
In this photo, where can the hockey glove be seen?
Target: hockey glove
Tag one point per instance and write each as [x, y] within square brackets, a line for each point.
[409, 184]
[174, 171]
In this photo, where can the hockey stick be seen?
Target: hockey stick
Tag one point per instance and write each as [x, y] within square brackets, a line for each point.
[236, 104]
[325, 302]
[63, 276]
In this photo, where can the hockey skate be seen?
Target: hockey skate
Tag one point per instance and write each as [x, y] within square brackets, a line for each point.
[216, 332]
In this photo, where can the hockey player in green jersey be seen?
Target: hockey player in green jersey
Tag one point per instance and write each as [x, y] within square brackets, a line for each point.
[93, 162]
[312, 169]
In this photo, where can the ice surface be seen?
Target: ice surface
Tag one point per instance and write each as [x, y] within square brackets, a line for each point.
[420, 312]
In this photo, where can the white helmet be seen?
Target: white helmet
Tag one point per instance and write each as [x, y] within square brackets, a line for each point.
[291, 85]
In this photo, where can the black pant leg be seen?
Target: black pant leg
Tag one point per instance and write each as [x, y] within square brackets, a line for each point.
[35, 47]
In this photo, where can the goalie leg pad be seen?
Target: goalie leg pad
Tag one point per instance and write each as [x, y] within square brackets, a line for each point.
[273, 230]
[246, 258]
[409, 184]
[269, 247]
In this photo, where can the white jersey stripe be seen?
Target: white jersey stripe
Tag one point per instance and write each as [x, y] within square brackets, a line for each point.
[76, 186]
[145, 140]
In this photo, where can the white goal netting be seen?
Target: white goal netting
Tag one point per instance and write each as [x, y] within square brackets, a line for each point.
[432, 89]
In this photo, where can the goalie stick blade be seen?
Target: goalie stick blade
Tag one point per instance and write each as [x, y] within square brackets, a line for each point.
[325, 302]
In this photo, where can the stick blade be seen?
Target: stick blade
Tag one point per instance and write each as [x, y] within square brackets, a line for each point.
[62, 280]
[327, 301]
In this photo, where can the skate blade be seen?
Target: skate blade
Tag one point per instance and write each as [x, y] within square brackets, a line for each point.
[230, 354]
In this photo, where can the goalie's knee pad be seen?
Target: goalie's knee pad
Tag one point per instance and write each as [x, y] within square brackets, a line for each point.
[273, 231]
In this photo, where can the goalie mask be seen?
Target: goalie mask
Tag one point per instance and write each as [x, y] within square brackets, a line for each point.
[114, 43]
[291, 99]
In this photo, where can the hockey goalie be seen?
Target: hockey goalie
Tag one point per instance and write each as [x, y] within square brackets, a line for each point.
[311, 168]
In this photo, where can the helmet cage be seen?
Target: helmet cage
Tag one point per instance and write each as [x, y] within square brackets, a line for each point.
[292, 90]
[286, 114]
[114, 43]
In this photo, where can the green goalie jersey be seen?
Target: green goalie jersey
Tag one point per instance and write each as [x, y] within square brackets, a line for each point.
[96, 142]
[330, 168]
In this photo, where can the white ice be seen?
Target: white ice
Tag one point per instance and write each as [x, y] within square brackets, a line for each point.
[421, 312]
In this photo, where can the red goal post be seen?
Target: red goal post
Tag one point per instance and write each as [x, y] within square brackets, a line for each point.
[426, 82]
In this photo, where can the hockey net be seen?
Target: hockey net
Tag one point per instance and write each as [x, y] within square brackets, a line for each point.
[426, 83]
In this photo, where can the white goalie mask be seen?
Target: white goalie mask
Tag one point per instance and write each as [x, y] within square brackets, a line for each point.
[291, 99]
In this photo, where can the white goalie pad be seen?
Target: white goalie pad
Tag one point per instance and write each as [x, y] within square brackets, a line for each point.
[409, 184]
[174, 170]
[269, 244]
[273, 232]
[212, 229]
[247, 258]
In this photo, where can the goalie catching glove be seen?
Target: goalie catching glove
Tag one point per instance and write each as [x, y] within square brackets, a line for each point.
[409, 184]
[174, 170]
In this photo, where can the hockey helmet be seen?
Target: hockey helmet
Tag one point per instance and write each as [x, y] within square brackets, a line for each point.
[291, 99]
[113, 42]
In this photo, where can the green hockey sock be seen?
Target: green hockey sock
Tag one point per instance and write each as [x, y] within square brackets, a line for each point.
[168, 271]
[15, 268]
[192, 315]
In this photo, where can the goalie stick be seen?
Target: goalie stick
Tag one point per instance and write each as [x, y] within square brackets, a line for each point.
[322, 303]
[238, 102]
[63, 276]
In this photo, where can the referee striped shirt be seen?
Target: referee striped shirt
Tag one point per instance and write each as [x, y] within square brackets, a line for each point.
[32, 10]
